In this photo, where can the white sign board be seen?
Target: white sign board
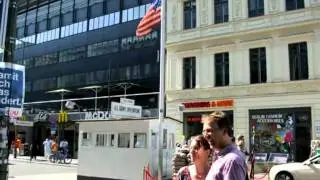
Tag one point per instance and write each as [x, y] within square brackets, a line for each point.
[23, 123]
[119, 110]
[126, 101]
[98, 115]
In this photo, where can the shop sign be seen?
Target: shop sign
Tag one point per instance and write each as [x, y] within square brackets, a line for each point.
[23, 123]
[98, 115]
[209, 104]
[193, 119]
[119, 110]
[126, 101]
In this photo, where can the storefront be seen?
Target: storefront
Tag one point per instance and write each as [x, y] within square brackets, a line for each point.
[286, 130]
[193, 112]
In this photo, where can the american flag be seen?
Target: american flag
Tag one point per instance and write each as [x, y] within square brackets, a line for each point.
[151, 19]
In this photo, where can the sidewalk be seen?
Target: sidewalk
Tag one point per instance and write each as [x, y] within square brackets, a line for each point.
[41, 160]
[69, 176]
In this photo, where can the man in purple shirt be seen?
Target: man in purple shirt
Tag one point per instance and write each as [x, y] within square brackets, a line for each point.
[228, 162]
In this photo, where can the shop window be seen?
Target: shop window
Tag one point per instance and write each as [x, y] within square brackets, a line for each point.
[221, 11]
[286, 131]
[258, 65]
[101, 140]
[222, 69]
[294, 4]
[86, 139]
[124, 140]
[190, 15]
[189, 73]
[255, 8]
[140, 140]
[298, 59]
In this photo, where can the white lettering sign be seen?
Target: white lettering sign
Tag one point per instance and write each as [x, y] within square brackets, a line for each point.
[125, 110]
[126, 101]
[98, 115]
[23, 123]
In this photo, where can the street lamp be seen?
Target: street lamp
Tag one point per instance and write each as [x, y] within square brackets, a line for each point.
[62, 92]
[96, 90]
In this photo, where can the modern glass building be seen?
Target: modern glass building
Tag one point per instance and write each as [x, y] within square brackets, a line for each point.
[70, 44]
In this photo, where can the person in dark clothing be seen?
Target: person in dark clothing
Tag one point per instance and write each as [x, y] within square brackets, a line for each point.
[33, 151]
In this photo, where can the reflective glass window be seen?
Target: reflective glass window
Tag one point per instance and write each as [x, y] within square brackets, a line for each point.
[42, 18]
[130, 14]
[96, 23]
[111, 19]
[124, 15]
[101, 19]
[54, 15]
[116, 17]
[136, 13]
[81, 9]
[96, 8]
[106, 20]
[91, 24]
[142, 11]
[67, 12]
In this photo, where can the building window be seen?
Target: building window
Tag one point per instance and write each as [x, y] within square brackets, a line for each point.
[222, 69]
[54, 15]
[294, 4]
[101, 140]
[258, 65]
[189, 73]
[298, 59]
[31, 22]
[124, 140]
[221, 11]
[73, 54]
[140, 140]
[46, 59]
[190, 15]
[102, 48]
[96, 8]
[81, 10]
[21, 20]
[45, 84]
[255, 8]
[67, 12]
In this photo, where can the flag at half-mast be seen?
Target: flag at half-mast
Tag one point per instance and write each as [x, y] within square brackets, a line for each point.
[150, 20]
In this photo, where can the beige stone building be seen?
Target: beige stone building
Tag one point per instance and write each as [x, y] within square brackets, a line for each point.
[257, 60]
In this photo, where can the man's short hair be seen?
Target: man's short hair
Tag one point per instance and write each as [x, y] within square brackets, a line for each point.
[221, 119]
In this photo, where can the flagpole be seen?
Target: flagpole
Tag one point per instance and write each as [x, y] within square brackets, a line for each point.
[161, 87]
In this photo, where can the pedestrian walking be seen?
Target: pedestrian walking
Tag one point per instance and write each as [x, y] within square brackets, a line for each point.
[241, 145]
[47, 148]
[33, 150]
[229, 163]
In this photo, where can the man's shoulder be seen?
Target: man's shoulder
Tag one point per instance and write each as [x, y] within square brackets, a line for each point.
[235, 156]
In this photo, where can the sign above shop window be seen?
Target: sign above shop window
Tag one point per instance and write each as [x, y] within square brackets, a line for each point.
[209, 104]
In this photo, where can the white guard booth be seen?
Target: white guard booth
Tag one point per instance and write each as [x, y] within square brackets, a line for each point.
[117, 149]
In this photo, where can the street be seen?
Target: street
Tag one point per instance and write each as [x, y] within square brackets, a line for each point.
[22, 170]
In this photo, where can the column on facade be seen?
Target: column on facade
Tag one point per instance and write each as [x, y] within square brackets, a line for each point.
[279, 61]
[316, 54]
[315, 116]
[239, 65]
[274, 6]
[204, 70]
[203, 13]
[311, 59]
[177, 69]
[307, 3]
[169, 72]
[173, 10]
[314, 2]
[241, 122]
[239, 9]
